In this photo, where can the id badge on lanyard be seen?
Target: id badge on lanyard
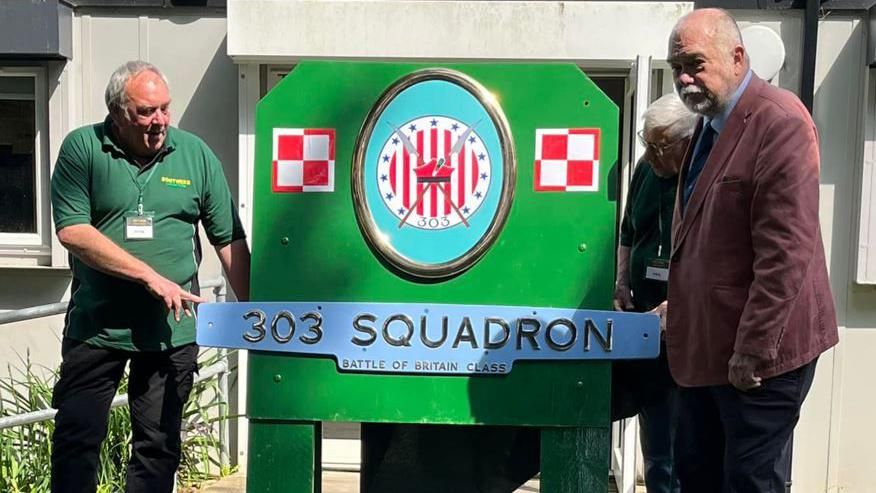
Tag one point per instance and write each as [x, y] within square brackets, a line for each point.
[657, 269]
[140, 224]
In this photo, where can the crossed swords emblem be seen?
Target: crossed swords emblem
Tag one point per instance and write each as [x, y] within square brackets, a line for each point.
[435, 172]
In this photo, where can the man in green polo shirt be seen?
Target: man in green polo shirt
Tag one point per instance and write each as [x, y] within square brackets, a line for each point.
[128, 196]
[642, 274]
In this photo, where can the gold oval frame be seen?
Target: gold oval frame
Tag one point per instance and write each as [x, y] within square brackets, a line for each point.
[506, 197]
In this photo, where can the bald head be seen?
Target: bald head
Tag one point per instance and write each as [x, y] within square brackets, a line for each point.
[716, 24]
[708, 60]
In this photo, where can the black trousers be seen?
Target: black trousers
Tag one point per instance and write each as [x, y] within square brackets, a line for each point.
[158, 387]
[731, 441]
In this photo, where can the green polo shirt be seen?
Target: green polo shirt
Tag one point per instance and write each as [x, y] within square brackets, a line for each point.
[649, 210]
[93, 183]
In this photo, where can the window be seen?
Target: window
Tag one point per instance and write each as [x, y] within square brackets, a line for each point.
[24, 208]
[866, 261]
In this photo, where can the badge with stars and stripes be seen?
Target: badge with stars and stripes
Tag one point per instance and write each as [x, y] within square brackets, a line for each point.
[444, 182]
[433, 173]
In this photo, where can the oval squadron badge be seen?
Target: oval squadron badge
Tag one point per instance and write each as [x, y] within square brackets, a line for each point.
[433, 173]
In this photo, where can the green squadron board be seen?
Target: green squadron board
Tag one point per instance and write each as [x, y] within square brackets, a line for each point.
[433, 245]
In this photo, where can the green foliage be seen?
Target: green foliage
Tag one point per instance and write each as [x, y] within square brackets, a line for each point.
[25, 451]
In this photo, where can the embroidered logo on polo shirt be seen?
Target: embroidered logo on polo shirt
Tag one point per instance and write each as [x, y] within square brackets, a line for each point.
[176, 182]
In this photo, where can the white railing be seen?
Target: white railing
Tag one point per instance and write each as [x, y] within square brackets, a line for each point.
[219, 369]
[624, 443]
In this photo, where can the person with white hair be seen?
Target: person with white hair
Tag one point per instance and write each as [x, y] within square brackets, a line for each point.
[128, 197]
[750, 306]
[645, 386]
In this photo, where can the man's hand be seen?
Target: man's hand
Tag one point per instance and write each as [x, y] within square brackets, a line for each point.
[623, 298]
[660, 310]
[176, 298]
[98, 251]
[741, 372]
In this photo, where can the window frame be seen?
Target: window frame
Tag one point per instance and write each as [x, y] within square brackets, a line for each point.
[32, 249]
[865, 263]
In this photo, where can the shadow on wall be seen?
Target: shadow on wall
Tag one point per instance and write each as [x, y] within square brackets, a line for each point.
[212, 112]
[32, 287]
[836, 106]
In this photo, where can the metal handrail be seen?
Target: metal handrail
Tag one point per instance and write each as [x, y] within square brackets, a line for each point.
[118, 401]
[33, 312]
[220, 368]
[61, 307]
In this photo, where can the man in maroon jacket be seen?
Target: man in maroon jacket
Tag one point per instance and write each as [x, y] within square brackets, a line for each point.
[750, 307]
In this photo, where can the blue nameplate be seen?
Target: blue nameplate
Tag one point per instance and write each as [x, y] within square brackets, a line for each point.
[428, 338]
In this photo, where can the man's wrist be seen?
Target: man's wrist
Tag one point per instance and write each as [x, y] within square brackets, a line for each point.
[145, 274]
[759, 353]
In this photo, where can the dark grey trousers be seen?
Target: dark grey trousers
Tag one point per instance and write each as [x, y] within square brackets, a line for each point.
[729, 441]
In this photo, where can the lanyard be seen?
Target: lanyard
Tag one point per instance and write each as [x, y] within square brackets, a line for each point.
[660, 225]
[660, 221]
[141, 188]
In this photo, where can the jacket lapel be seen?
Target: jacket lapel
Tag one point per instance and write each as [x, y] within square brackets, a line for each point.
[718, 159]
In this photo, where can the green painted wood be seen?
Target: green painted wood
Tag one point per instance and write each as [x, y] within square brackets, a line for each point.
[534, 394]
[556, 249]
[575, 460]
[284, 457]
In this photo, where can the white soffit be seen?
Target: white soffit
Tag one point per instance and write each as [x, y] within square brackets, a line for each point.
[278, 30]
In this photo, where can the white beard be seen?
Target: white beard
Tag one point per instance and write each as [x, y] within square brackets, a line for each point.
[707, 105]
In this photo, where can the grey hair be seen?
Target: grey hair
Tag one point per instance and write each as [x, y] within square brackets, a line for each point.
[670, 114]
[115, 96]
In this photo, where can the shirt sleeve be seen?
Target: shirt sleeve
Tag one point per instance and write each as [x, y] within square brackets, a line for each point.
[219, 214]
[71, 189]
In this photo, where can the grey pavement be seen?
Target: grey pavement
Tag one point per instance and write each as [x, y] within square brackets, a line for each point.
[337, 482]
[332, 482]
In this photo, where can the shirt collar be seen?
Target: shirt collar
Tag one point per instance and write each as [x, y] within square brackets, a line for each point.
[720, 120]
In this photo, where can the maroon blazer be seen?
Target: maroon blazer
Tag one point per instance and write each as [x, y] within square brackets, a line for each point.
[748, 271]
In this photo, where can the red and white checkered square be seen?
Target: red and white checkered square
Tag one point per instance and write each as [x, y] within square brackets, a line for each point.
[304, 160]
[567, 159]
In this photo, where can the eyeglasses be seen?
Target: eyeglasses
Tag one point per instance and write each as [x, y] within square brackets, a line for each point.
[658, 149]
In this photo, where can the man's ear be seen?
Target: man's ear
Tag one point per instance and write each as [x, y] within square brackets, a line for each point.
[117, 116]
[739, 58]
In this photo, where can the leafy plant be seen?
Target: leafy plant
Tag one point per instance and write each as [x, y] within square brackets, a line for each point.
[25, 461]
[201, 447]
[25, 451]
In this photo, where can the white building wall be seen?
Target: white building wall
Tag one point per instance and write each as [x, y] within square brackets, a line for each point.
[788, 24]
[578, 31]
[190, 49]
[842, 87]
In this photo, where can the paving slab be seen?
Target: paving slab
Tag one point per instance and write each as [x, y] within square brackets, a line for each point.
[338, 482]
